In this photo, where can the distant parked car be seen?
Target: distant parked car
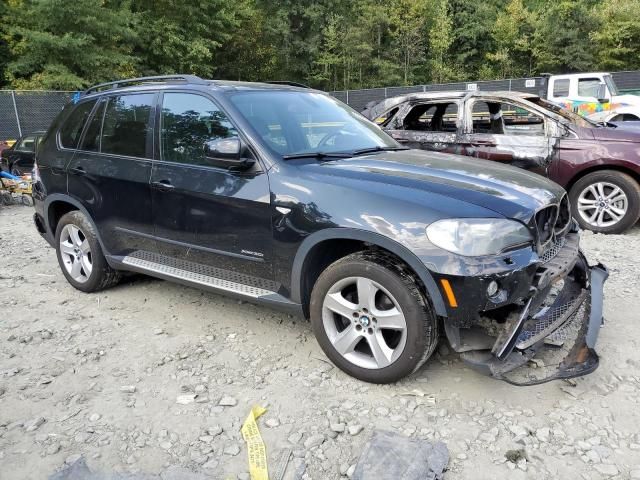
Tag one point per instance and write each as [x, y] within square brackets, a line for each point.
[617, 116]
[599, 166]
[18, 159]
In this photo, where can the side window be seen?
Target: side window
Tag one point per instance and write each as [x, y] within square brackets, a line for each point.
[505, 119]
[520, 121]
[561, 87]
[385, 119]
[432, 117]
[91, 141]
[27, 144]
[126, 124]
[72, 128]
[588, 87]
[188, 121]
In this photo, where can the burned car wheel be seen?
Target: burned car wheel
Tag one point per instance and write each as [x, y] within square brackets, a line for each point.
[371, 319]
[606, 201]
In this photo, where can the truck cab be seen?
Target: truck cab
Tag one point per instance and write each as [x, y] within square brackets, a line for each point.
[588, 93]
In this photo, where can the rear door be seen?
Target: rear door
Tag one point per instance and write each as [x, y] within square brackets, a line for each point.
[508, 132]
[203, 213]
[110, 172]
[427, 126]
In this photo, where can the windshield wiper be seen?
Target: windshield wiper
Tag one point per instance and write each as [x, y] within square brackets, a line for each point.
[317, 155]
[364, 151]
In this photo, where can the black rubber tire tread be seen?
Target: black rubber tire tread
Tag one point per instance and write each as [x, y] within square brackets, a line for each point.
[422, 323]
[626, 182]
[102, 275]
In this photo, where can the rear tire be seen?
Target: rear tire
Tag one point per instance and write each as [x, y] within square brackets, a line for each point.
[80, 255]
[378, 337]
[606, 201]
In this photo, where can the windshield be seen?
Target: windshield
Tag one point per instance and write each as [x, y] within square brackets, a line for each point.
[293, 122]
[563, 112]
[613, 88]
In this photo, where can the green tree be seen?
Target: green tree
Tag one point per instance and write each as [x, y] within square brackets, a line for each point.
[618, 35]
[471, 37]
[513, 34]
[182, 36]
[408, 35]
[440, 40]
[561, 40]
[56, 44]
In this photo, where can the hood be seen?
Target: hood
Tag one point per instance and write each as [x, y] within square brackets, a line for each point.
[506, 190]
[624, 101]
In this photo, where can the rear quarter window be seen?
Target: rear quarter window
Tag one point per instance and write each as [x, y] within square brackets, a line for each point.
[74, 124]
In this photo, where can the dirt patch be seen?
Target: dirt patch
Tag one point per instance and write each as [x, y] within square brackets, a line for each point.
[150, 375]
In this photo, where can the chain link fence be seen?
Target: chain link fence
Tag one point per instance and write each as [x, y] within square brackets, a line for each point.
[358, 99]
[26, 111]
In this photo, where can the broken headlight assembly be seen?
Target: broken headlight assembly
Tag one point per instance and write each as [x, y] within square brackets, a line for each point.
[474, 237]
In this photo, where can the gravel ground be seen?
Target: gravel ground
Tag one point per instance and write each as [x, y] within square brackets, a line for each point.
[151, 375]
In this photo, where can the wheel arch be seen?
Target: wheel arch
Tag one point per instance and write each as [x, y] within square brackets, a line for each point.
[352, 240]
[600, 168]
[57, 205]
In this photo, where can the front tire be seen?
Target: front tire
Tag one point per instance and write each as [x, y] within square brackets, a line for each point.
[606, 201]
[80, 255]
[371, 319]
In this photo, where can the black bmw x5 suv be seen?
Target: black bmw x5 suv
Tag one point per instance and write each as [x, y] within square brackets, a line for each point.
[282, 195]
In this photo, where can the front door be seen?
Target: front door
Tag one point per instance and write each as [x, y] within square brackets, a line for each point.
[507, 133]
[202, 213]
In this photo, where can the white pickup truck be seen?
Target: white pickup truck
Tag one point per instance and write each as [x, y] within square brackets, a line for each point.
[588, 93]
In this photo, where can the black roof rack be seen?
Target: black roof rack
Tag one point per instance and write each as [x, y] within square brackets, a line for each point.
[287, 82]
[193, 79]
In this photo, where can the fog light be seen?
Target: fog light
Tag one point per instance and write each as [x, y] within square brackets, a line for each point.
[492, 289]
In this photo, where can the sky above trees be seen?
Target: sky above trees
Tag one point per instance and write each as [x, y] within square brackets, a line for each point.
[329, 44]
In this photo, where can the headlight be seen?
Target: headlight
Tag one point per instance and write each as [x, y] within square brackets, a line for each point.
[474, 237]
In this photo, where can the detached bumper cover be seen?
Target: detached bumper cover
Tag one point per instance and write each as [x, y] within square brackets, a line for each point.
[558, 341]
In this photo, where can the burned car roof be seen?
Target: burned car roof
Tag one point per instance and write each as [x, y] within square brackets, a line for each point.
[376, 109]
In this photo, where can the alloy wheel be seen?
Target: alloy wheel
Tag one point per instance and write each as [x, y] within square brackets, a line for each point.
[364, 323]
[602, 204]
[76, 253]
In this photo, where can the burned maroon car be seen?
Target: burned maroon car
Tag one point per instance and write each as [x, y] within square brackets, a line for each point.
[598, 165]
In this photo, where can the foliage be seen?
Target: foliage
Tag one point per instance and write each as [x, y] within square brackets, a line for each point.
[330, 44]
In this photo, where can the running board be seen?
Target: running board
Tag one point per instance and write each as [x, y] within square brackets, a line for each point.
[205, 277]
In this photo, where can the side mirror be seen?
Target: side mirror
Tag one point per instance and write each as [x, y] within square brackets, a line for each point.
[227, 153]
[602, 93]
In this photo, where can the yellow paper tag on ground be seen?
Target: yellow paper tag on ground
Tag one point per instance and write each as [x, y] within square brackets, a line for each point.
[255, 445]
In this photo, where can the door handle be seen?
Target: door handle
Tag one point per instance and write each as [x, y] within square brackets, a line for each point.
[483, 143]
[57, 170]
[162, 185]
[77, 171]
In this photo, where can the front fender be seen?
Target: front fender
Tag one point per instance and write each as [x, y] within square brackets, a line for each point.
[375, 239]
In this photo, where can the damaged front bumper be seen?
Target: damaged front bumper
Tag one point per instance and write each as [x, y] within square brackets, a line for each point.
[549, 334]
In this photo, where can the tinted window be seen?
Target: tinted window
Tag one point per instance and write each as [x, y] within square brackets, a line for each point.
[91, 141]
[188, 121]
[126, 125]
[72, 128]
[27, 144]
[561, 88]
[588, 87]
